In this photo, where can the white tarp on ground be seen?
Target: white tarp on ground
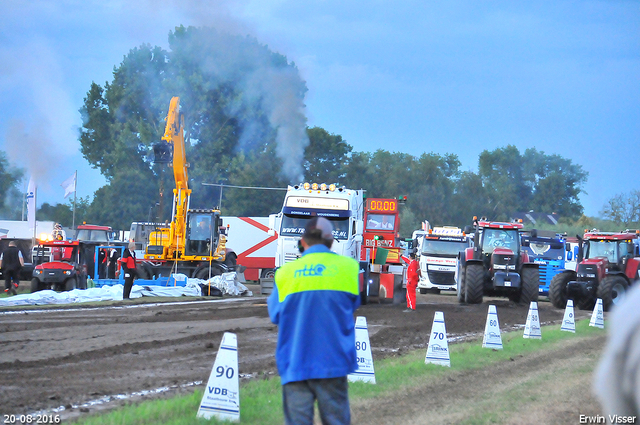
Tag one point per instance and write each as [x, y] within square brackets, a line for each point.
[227, 283]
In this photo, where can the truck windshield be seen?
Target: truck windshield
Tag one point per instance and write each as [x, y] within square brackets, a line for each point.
[293, 225]
[602, 249]
[381, 222]
[92, 235]
[435, 247]
[503, 238]
[547, 250]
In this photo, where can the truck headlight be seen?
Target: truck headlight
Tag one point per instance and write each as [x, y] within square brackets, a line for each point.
[38, 271]
[67, 272]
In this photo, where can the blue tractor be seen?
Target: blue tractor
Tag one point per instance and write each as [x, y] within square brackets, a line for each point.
[549, 251]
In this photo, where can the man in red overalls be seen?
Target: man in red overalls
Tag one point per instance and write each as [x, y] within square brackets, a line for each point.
[413, 274]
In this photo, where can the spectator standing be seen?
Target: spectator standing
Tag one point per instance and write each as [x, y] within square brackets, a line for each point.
[112, 262]
[129, 269]
[102, 263]
[11, 262]
[313, 302]
[413, 275]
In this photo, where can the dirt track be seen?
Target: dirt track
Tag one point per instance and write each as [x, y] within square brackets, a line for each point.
[71, 356]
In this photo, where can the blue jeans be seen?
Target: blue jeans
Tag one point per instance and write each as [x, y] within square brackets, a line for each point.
[333, 401]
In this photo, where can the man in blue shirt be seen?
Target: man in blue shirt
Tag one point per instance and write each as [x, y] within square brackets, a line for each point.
[312, 303]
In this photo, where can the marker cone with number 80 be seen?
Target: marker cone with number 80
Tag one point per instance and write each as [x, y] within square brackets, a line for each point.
[221, 395]
[365, 370]
[438, 349]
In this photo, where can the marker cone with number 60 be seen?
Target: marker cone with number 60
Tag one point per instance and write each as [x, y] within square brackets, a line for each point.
[365, 370]
[492, 337]
[438, 349]
[221, 395]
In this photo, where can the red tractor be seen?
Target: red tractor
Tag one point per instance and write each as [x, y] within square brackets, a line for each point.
[63, 265]
[495, 265]
[608, 264]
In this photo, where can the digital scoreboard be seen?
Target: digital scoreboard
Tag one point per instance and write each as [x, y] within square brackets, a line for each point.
[386, 206]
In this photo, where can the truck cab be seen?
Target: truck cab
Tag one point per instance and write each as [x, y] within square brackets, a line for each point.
[549, 251]
[342, 206]
[438, 250]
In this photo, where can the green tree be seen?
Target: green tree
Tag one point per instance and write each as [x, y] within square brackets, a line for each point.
[12, 198]
[427, 181]
[63, 213]
[470, 199]
[239, 101]
[623, 209]
[325, 157]
[530, 181]
[255, 169]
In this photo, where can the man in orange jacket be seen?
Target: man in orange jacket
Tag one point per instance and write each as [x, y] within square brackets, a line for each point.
[413, 274]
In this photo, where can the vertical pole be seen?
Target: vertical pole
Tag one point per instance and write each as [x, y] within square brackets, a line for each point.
[24, 199]
[35, 209]
[220, 202]
[75, 191]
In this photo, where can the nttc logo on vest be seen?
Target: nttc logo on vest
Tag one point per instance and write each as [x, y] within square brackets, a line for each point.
[310, 270]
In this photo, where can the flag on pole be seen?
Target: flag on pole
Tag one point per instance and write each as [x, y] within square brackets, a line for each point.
[69, 185]
[31, 204]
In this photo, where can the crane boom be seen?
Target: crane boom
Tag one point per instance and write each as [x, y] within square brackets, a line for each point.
[174, 135]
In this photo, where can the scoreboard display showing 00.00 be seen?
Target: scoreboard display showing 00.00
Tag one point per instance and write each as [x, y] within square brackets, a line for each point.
[382, 205]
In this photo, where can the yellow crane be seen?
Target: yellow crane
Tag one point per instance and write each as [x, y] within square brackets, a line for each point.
[194, 242]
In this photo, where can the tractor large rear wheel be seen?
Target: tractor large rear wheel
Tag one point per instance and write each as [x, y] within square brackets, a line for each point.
[460, 279]
[530, 279]
[558, 289]
[612, 290]
[474, 283]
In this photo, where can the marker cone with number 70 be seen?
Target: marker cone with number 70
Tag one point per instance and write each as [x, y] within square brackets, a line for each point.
[221, 395]
[438, 349]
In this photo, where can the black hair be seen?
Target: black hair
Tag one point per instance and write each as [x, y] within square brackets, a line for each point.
[314, 237]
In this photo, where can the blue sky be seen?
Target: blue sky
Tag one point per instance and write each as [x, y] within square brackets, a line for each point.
[411, 76]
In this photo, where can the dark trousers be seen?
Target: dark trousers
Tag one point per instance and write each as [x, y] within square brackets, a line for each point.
[128, 284]
[111, 271]
[333, 401]
[11, 276]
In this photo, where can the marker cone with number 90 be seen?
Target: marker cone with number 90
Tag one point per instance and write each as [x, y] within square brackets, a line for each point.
[221, 395]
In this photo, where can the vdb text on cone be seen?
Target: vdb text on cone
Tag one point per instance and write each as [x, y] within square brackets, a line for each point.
[365, 371]
[597, 317]
[532, 327]
[492, 337]
[221, 395]
[569, 320]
